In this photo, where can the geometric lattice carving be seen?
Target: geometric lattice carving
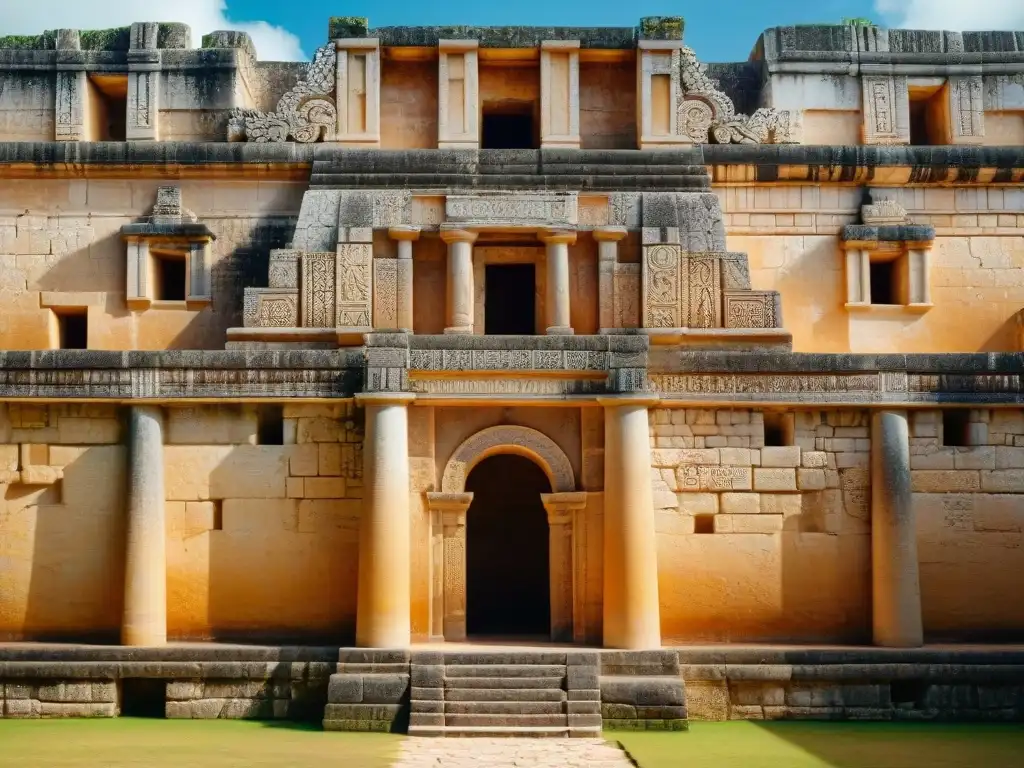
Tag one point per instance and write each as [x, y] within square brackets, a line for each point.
[385, 292]
[318, 277]
[522, 441]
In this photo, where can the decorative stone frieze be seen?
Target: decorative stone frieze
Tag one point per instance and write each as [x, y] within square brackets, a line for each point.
[706, 114]
[171, 232]
[307, 113]
[521, 210]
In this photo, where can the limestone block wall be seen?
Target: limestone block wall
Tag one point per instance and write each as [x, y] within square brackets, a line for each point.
[761, 542]
[263, 539]
[61, 247]
[27, 104]
[62, 481]
[969, 503]
[790, 233]
[29, 699]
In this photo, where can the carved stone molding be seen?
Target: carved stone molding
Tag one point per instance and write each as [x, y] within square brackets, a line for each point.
[448, 564]
[307, 113]
[521, 441]
[531, 210]
[706, 114]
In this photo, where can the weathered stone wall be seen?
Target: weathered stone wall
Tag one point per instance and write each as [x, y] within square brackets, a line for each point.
[60, 243]
[61, 521]
[262, 539]
[790, 234]
[28, 106]
[408, 105]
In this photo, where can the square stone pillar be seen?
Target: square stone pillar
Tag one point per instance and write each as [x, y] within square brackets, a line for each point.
[966, 110]
[659, 94]
[401, 279]
[560, 94]
[886, 109]
[607, 258]
[72, 104]
[563, 509]
[458, 97]
[448, 564]
[358, 92]
[143, 114]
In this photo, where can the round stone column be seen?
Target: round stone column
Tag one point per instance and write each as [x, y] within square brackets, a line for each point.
[632, 616]
[404, 235]
[557, 296]
[895, 583]
[460, 280]
[384, 595]
[144, 621]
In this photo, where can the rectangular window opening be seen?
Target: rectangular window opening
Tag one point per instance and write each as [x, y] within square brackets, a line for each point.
[73, 328]
[703, 523]
[883, 279]
[108, 106]
[509, 127]
[778, 429]
[956, 430]
[170, 275]
[270, 425]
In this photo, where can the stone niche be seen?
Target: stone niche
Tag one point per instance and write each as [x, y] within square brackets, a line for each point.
[168, 258]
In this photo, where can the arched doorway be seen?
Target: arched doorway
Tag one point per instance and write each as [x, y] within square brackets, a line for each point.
[507, 559]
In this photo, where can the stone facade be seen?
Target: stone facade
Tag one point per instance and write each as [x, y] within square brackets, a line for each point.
[262, 343]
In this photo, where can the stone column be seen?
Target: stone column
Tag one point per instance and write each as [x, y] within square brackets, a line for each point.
[895, 584]
[448, 564]
[562, 509]
[144, 621]
[405, 236]
[607, 257]
[460, 280]
[142, 119]
[557, 300]
[383, 607]
[632, 616]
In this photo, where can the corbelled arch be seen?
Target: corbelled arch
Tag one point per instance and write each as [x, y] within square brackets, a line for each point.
[522, 441]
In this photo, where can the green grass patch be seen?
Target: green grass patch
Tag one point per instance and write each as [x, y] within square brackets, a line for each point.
[829, 745]
[138, 743]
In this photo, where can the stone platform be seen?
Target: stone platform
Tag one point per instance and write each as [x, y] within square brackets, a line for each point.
[488, 690]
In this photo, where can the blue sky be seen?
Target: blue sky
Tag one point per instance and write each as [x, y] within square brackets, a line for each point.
[722, 30]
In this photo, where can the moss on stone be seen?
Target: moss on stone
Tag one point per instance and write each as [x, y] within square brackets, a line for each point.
[24, 43]
[347, 26]
[115, 39]
[662, 28]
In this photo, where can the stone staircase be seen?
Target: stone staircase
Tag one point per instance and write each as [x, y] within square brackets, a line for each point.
[505, 694]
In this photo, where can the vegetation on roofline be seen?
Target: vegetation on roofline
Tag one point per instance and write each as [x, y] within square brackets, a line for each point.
[858, 21]
[662, 27]
[115, 39]
[339, 27]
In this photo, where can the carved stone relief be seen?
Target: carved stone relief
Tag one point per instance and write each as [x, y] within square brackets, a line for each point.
[307, 113]
[284, 269]
[665, 293]
[318, 290]
[751, 309]
[354, 285]
[705, 289]
[626, 306]
[522, 441]
[886, 110]
[385, 293]
[706, 114]
[521, 209]
[966, 108]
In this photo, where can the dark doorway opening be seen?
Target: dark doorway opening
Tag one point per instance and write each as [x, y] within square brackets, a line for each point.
[507, 586]
[143, 697]
[507, 130]
[74, 329]
[170, 279]
[509, 299]
[882, 274]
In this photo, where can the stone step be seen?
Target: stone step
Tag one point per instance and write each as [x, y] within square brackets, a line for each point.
[497, 731]
[504, 694]
[504, 708]
[490, 658]
[556, 671]
[510, 721]
[502, 683]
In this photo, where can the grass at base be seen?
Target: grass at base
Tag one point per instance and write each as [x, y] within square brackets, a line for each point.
[751, 744]
[139, 743]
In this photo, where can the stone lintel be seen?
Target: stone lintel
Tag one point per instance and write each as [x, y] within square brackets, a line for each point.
[618, 401]
[609, 234]
[458, 235]
[448, 502]
[557, 236]
[404, 232]
[570, 500]
[384, 398]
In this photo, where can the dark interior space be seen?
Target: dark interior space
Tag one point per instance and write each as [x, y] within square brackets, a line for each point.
[74, 330]
[507, 130]
[507, 587]
[919, 122]
[171, 279]
[882, 282]
[956, 427]
[775, 431]
[143, 697]
[510, 299]
[270, 425]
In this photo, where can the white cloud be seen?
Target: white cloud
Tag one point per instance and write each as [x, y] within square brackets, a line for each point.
[31, 17]
[954, 15]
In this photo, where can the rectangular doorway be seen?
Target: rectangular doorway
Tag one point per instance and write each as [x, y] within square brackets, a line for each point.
[509, 299]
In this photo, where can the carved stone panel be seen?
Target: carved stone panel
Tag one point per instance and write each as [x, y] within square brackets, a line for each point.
[886, 110]
[705, 289]
[385, 293]
[665, 294]
[752, 309]
[627, 289]
[318, 290]
[966, 109]
[536, 210]
[354, 284]
[70, 113]
[270, 308]
[284, 269]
